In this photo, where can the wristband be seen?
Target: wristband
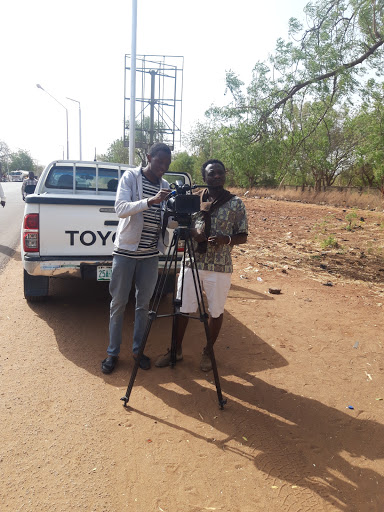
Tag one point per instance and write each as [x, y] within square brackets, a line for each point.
[230, 240]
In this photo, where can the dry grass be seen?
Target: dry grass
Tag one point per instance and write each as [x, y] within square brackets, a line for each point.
[348, 199]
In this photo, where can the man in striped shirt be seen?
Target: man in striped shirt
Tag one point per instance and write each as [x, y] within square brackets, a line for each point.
[138, 242]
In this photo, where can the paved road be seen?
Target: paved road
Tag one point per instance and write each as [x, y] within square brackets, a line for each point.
[10, 221]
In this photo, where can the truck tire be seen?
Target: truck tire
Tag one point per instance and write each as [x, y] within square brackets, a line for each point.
[35, 287]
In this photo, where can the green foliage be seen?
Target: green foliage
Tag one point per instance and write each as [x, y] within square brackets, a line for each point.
[116, 152]
[119, 153]
[182, 162]
[353, 221]
[322, 227]
[4, 157]
[351, 218]
[329, 242]
[369, 124]
[146, 135]
[294, 122]
[21, 160]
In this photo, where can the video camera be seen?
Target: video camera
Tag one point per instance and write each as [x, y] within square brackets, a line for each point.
[181, 204]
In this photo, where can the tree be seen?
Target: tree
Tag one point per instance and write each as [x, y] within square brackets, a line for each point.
[182, 162]
[325, 155]
[4, 157]
[294, 97]
[116, 152]
[119, 153]
[321, 61]
[21, 160]
[369, 122]
[144, 135]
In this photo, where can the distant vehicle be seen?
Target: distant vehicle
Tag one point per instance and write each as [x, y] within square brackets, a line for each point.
[17, 175]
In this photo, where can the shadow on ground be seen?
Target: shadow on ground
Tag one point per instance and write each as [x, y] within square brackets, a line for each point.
[288, 437]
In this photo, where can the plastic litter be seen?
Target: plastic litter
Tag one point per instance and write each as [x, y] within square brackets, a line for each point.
[350, 407]
[356, 345]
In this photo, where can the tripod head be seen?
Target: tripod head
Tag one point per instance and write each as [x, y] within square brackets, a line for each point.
[182, 204]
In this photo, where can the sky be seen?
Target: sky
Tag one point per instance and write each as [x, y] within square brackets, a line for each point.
[76, 49]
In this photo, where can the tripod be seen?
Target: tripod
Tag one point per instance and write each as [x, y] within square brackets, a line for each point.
[182, 232]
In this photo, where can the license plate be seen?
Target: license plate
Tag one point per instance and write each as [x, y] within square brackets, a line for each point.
[104, 273]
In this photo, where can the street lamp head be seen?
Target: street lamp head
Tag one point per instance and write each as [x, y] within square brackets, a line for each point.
[66, 113]
[76, 101]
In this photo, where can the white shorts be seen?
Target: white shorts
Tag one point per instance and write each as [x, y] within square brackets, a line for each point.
[216, 286]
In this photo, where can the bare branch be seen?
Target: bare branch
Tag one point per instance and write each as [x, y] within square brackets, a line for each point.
[297, 87]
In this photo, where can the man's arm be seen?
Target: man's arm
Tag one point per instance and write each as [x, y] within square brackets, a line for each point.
[124, 205]
[2, 196]
[240, 238]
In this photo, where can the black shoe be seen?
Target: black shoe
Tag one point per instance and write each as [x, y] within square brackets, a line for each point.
[145, 362]
[109, 363]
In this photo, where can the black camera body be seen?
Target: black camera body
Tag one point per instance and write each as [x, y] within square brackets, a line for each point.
[181, 204]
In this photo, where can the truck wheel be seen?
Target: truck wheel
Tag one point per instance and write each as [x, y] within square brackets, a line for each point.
[35, 287]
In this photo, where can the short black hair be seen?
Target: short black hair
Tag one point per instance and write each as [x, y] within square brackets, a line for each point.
[208, 162]
[157, 147]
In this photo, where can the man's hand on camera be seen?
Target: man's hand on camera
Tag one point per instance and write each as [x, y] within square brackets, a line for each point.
[218, 240]
[159, 197]
[198, 235]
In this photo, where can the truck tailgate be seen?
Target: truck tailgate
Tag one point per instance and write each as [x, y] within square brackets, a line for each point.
[77, 229]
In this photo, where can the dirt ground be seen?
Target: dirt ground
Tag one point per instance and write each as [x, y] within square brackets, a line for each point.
[302, 370]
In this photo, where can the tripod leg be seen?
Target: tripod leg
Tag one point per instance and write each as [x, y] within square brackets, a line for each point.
[152, 314]
[125, 398]
[222, 401]
[173, 340]
[170, 258]
[177, 302]
[204, 318]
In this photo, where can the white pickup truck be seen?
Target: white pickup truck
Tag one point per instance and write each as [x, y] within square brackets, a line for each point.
[70, 223]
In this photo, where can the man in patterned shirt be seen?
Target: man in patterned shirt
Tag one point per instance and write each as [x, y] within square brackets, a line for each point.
[136, 249]
[220, 224]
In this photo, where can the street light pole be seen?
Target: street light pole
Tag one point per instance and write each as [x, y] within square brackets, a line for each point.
[66, 113]
[79, 124]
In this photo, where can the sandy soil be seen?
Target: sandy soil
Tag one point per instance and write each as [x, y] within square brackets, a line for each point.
[303, 429]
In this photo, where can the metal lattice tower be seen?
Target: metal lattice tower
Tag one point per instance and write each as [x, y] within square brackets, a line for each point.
[159, 88]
